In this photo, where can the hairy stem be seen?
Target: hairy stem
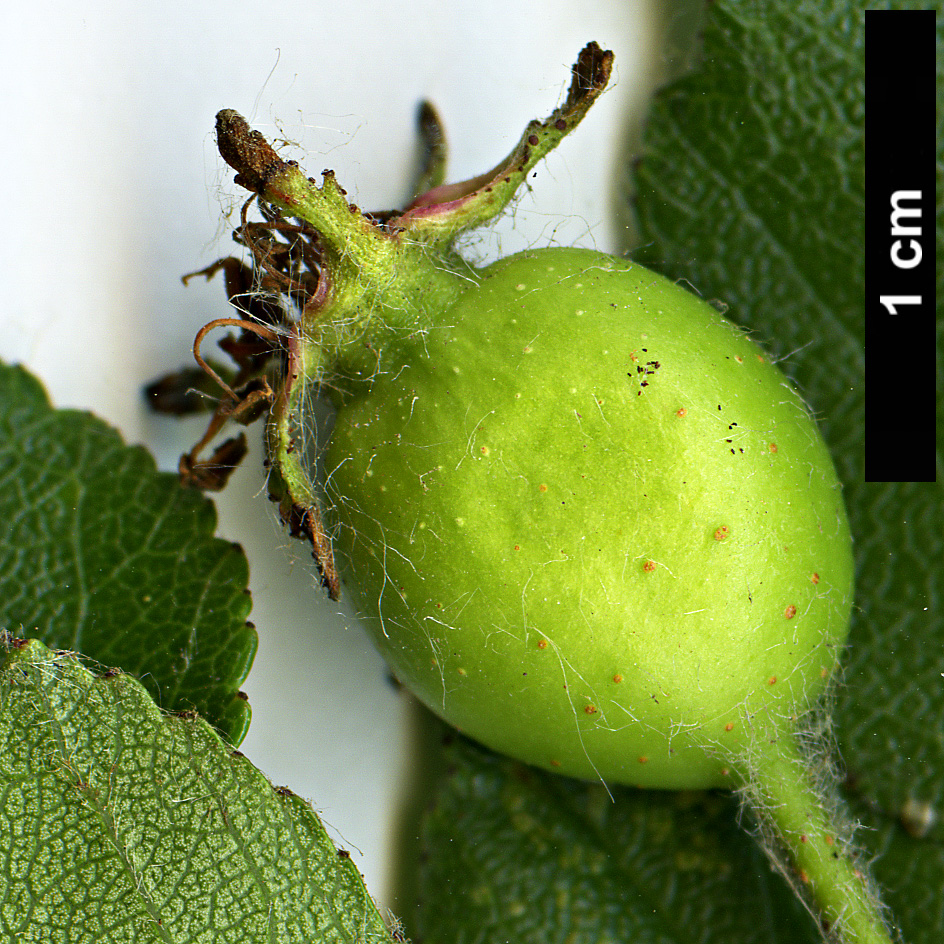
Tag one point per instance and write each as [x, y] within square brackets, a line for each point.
[782, 794]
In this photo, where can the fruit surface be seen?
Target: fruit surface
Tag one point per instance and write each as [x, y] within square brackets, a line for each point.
[586, 520]
[591, 525]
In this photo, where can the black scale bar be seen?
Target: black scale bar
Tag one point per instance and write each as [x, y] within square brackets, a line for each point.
[900, 307]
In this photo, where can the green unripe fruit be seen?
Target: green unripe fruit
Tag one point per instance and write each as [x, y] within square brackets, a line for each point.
[591, 525]
[584, 517]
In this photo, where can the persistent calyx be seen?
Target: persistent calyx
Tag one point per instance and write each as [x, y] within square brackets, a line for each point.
[311, 254]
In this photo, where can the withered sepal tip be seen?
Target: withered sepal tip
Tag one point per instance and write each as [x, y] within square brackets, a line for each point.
[246, 151]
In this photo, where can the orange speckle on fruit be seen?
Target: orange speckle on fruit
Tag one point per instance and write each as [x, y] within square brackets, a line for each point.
[760, 357]
[729, 726]
[772, 680]
[643, 760]
[542, 487]
[722, 532]
[681, 411]
[773, 447]
[542, 644]
[649, 566]
[804, 878]
[590, 709]
[803, 839]
[738, 358]
[829, 840]
[555, 763]
[815, 578]
[790, 611]
[617, 678]
[485, 450]
[725, 772]
[517, 547]
[462, 671]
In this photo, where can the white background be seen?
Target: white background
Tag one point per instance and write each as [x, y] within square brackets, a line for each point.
[112, 189]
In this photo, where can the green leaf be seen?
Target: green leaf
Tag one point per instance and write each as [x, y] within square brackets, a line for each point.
[751, 187]
[520, 855]
[122, 823]
[104, 555]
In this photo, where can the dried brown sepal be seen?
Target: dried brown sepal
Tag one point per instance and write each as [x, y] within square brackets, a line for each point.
[248, 351]
[254, 295]
[305, 523]
[590, 72]
[286, 264]
[441, 213]
[433, 139]
[252, 401]
[252, 303]
[255, 398]
[246, 151]
[211, 475]
[183, 392]
[290, 267]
